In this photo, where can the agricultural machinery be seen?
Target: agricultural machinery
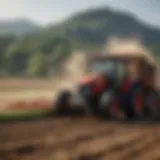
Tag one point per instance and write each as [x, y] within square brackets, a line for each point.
[114, 83]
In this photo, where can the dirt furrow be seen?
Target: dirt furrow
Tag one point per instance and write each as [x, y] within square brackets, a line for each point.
[99, 147]
[136, 149]
[36, 129]
[72, 149]
[150, 150]
[78, 139]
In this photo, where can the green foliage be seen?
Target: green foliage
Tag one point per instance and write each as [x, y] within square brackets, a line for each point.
[36, 65]
[155, 49]
[25, 57]
[16, 59]
[5, 41]
[59, 53]
[22, 115]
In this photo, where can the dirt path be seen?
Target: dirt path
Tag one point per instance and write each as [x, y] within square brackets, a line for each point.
[79, 139]
[13, 90]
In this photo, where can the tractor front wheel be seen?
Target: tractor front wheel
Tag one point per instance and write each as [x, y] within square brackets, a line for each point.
[107, 106]
[61, 104]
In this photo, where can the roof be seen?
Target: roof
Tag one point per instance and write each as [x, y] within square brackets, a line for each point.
[128, 49]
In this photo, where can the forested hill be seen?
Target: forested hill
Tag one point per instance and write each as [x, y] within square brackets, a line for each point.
[40, 53]
[95, 25]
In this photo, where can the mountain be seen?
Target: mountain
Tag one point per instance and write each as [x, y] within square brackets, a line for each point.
[95, 25]
[146, 10]
[17, 27]
[43, 52]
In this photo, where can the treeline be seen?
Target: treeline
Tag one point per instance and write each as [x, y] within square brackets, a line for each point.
[32, 58]
[38, 58]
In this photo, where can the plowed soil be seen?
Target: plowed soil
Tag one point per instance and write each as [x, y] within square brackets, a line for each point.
[82, 138]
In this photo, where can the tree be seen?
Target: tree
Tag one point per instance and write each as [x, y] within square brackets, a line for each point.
[5, 41]
[58, 55]
[37, 65]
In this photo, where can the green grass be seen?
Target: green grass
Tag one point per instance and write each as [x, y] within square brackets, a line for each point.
[21, 115]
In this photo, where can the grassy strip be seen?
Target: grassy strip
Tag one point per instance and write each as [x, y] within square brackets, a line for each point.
[22, 115]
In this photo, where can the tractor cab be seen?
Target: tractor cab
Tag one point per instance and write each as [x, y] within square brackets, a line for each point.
[114, 70]
[137, 66]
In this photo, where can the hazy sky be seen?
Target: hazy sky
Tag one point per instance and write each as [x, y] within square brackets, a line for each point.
[46, 11]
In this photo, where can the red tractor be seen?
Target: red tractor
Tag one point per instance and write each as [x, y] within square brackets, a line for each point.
[110, 88]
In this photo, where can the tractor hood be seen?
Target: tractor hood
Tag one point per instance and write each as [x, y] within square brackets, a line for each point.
[89, 78]
[97, 82]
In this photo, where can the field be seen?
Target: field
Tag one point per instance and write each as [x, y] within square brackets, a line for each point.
[69, 138]
[17, 91]
[79, 139]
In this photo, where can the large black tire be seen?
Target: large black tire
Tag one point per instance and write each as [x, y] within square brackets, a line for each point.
[151, 108]
[61, 103]
[129, 112]
[105, 105]
[129, 106]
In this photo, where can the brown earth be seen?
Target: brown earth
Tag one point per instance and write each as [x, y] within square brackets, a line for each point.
[22, 90]
[79, 139]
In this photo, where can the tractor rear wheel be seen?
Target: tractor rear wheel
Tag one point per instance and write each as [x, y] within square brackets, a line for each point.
[134, 106]
[129, 112]
[151, 107]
